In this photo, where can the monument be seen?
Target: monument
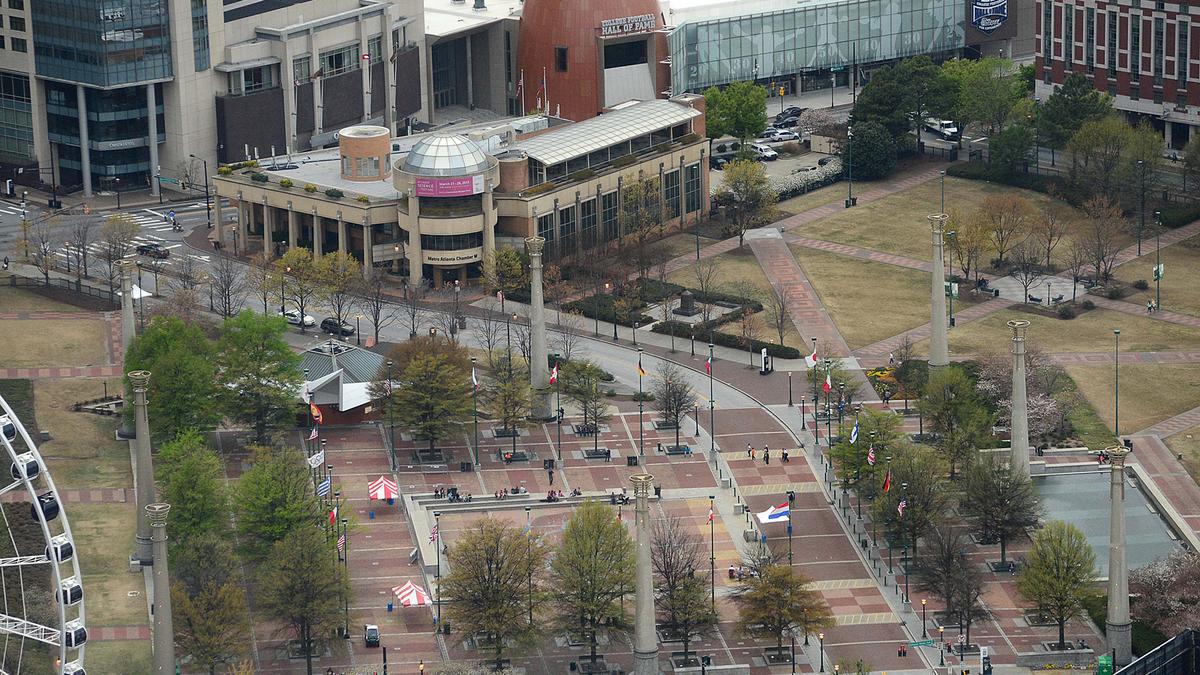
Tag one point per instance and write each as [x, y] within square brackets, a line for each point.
[125, 269]
[539, 379]
[645, 641]
[164, 632]
[142, 554]
[939, 353]
[1118, 629]
[1019, 423]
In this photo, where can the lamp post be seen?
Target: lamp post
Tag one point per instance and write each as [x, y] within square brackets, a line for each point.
[117, 189]
[1142, 207]
[941, 646]
[641, 409]
[391, 390]
[1117, 382]
[712, 414]
[821, 639]
[943, 176]
[207, 198]
[712, 551]
[924, 630]
[282, 279]
[1158, 268]
[474, 409]
[529, 554]
[614, 305]
[345, 527]
[904, 498]
[357, 329]
[437, 542]
[850, 200]
[142, 301]
[636, 325]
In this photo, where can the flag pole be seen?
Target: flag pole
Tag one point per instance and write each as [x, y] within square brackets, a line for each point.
[558, 404]
[712, 553]
[712, 415]
[523, 108]
[546, 90]
[641, 407]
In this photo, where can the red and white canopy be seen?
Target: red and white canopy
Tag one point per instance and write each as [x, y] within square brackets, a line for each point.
[383, 488]
[411, 595]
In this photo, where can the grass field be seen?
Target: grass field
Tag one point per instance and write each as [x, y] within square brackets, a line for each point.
[1149, 393]
[105, 534]
[738, 266]
[121, 657]
[56, 342]
[1089, 332]
[109, 599]
[1180, 292]
[868, 301]
[1187, 443]
[1089, 428]
[19, 299]
[82, 452]
[829, 194]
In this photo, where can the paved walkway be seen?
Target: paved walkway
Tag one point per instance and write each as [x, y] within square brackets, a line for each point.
[1129, 253]
[1140, 310]
[859, 252]
[109, 496]
[1172, 425]
[972, 313]
[109, 633]
[1141, 358]
[1168, 475]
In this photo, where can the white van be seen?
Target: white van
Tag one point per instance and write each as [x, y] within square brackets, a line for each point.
[944, 128]
[762, 152]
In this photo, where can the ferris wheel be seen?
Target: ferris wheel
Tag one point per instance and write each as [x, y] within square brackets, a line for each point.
[60, 627]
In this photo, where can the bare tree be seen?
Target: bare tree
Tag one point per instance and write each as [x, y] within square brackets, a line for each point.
[116, 241]
[1027, 267]
[523, 338]
[707, 282]
[1102, 234]
[338, 275]
[45, 239]
[556, 288]
[677, 561]
[760, 555]
[371, 298]
[673, 396]
[413, 316]
[1007, 218]
[187, 274]
[489, 336]
[969, 241]
[641, 217]
[259, 279]
[1078, 258]
[777, 310]
[302, 280]
[82, 231]
[569, 340]
[1049, 229]
[228, 285]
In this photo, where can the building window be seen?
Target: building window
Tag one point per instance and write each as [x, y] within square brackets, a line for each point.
[257, 79]
[1047, 29]
[608, 215]
[1181, 99]
[1159, 33]
[1068, 34]
[691, 188]
[16, 4]
[338, 61]
[671, 192]
[200, 54]
[1181, 53]
[1089, 47]
[368, 167]
[451, 242]
[1110, 49]
[19, 45]
[545, 227]
[347, 166]
[508, 59]
[587, 222]
[560, 59]
[375, 49]
[16, 23]
[566, 230]
[1, 42]
[301, 69]
[1135, 45]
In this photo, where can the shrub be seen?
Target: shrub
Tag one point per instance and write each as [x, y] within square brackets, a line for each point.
[1035, 182]
[643, 396]
[334, 193]
[806, 181]
[1178, 215]
[602, 305]
[224, 170]
[286, 182]
[310, 188]
[258, 177]
[1141, 285]
[1088, 305]
[792, 147]
[1066, 312]
[1114, 292]
[362, 199]
[725, 339]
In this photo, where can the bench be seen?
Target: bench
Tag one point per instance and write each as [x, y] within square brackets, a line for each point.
[1035, 299]
[1057, 299]
[596, 453]
[677, 449]
[585, 429]
[514, 456]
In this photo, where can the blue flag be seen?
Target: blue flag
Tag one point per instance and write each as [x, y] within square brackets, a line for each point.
[324, 486]
[854, 433]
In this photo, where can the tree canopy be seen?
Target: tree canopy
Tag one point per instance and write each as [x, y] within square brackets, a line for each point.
[746, 190]
[870, 152]
[259, 373]
[183, 385]
[434, 396]
[739, 110]
[1058, 573]
[778, 600]
[1000, 500]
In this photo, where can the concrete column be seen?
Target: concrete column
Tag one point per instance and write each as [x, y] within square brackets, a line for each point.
[470, 75]
[489, 229]
[245, 213]
[318, 234]
[341, 233]
[219, 213]
[389, 73]
[416, 255]
[539, 379]
[368, 260]
[293, 227]
[85, 152]
[164, 631]
[645, 642]
[365, 71]
[128, 327]
[140, 380]
[939, 353]
[1118, 629]
[152, 141]
[318, 94]
[268, 229]
[1019, 424]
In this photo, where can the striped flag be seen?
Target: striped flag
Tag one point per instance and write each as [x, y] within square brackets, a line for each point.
[711, 514]
[325, 486]
[341, 545]
[433, 534]
[333, 516]
[871, 455]
[854, 434]
[641, 370]
[901, 506]
[887, 481]
[313, 435]
[708, 366]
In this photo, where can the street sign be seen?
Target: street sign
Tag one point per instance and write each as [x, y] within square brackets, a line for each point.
[1158, 271]
[1104, 665]
[951, 289]
[921, 643]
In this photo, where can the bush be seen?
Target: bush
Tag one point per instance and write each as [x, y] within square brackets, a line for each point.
[224, 170]
[1066, 312]
[1179, 215]
[602, 305]
[258, 177]
[1141, 285]
[363, 199]
[1037, 183]
[1088, 305]
[725, 339]
[334, 193]
[286, 182]
[1114, 292]
[310, 188]
[805, 181]
[643, 396]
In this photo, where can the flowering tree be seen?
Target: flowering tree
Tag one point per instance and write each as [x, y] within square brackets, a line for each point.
[1163, 594]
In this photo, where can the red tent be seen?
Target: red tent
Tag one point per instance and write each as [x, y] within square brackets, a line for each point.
[383, 488]
[412, 595]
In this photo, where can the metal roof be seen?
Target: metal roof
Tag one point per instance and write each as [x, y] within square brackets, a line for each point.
[445, 155]
[623, 124]
[357, 365]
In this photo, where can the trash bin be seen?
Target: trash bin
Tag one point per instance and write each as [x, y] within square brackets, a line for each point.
[658, 492]
[464, 467]
[390, 606]
[631, 460]
[445, 628]
[370, 515]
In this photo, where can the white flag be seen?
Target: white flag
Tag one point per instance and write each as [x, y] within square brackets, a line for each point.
[316, 460]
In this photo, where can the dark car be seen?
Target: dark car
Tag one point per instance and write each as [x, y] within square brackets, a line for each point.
[786, 123]
[824, 160]
[153, 250]
[791, 111]
[370, 635]
[718, 163]
[334, 327]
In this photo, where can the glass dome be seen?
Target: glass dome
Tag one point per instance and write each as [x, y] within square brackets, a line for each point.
[445, 155]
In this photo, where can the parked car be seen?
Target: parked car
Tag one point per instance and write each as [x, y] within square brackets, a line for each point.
[786, 122]
[944, 128]
[762, 152]
[153, 250]
[370, 635]
[293, 317]
[791, 111]
[334, 327]
[825, 160]
[780, 135]
[717, 163]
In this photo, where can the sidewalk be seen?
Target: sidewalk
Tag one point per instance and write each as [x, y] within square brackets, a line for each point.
[107, 201]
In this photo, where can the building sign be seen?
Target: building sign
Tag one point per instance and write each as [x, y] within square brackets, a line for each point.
[445, 258]
[112, 14]
[988, 15]
[627, 24]
[458, 186]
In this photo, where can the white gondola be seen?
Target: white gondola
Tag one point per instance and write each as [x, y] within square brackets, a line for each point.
[48, 503]
[8, 428]
[26, 466]
[74, 668]
[70, 592]
[74, 634]
[60, 549]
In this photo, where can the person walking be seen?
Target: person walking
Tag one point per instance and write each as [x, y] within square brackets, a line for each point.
[1149, 306]
[753, 453]
[750, 451]
[891, 359]
[550, 472]
[766, 455]
[785, 455]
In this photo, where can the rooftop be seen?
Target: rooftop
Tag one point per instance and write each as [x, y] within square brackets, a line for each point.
[448, 18]
[445, 155]
[682, 11]
[629, 120]
[357, 364]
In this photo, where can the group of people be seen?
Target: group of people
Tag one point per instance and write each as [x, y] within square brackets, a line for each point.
[1151, 306]
[450, 494]
[740, 572]
[557, 495]
[503, 494]
[766, 453]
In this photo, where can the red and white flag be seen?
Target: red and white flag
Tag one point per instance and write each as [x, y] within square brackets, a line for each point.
[871, 455]
[554, 374]
[313, 435]
[711, 515]
[341, 545]
[811, 359]
[708, 366]
[333, 516]
[901, 506]
[827, 386]
[433, 534]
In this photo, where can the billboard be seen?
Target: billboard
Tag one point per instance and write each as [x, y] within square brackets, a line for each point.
[455, 186]
[991, 20]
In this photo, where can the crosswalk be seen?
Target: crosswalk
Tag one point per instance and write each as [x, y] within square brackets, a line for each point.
[151, 223]
[10, 209]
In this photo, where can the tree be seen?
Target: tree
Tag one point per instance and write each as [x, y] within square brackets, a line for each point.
[641, 218]
[205, 559]
[338, 278]
[1191, 160]
[924, 473]
[372, 299]
[942, 569]
[508, 396]
[778, 600]
[955, 414]
[434, 396]
[1001, 500]
[275, 498]
[776, 308]
[870, 152]
[984, 92]
[591, 572]
[228, 286]
[682, 595]
[82, 229]
[569, 342]
[303, 587]
[1102, 234]
[819, 121]
[969, 242]
[1048, 229]
[1027, 267]
[1163, 594]
[46, 239]
[1078, 257]
[183, 392]
[580, 381]
[259, 374]
[1058, 574]
[555, 287]
[1010, 148]
[259, 277]
[739, 110]
[191, 479]
[876, 429]
[507, 273]
[1072, 104]
[673, 396]
[899, 96]
[300, 279]
[1007, 218]
[746, 190]
[211, 625]
[413, 316]
[495, 583]
[708, 281]
[116, 240]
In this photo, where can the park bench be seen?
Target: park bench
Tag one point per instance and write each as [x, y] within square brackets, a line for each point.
[1035, 299]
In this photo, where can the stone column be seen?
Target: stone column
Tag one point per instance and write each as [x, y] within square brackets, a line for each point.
[939, 353]
[539, 374]
[1118, 631]
[341, 233]
[489, 228]
[220, 216]
[368, 260]
[645, 642]
[164, 632]
[1019, 424]
[139, 380]
[152, 139]
[85, 150]
[293, 226]
[318, 234]
[125, 268]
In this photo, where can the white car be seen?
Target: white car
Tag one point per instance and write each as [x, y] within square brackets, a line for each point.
[293, 317]
[944, 128]
[762, 152]
[779, 135]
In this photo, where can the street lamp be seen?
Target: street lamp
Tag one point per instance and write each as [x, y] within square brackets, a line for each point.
[850, 200]
[1141, 209]
[614, 306]
[207, 203]
[117, 189]
[474, 408]
[943, 174]
[1158, 268]
[357, 328]
[391, 384]
[821, 638]
[1117, 382]
[924, 630]
[941, 646]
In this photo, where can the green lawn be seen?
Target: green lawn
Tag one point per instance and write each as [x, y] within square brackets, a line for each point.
[19, 299]
[83, 452]
[121, 657]
[76, 342]
[1149, 393]
[1180, 292]
[1187, 443]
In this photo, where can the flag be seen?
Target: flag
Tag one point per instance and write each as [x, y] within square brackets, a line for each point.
[828, 385]
[313, 435]
[474, 379]
[316, 460]
[811, 359]
[901, 506]
[333, 516]
[324, 486]
[711, 515]
[854, 434]
[341, 545]
[641, 370]
[708, 366]
[887, 481]
[521, 86]
[315, 412]
[871, 455]
[541, 85]
[433, 534]
[774, 514]
[554, 373]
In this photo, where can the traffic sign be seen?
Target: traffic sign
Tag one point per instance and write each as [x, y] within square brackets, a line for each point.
[921, 643]
[171, 214]
[951, 289]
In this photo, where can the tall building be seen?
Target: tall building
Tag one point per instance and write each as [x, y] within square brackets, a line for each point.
[1146, 55]
[125, 94]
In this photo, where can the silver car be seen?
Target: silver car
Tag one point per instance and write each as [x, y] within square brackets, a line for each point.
[293, 317]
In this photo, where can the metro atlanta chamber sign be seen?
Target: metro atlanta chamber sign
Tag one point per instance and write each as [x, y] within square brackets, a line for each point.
[988, 15]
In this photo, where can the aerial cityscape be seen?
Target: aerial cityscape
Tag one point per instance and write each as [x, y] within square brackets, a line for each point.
[601, 337]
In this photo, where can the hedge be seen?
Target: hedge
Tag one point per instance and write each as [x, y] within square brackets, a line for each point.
[602, 306]
[1178, 215]
[727, 340]
[650, 290]
[1027, 181]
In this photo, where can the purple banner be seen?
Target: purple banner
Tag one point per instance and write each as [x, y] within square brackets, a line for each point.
[458, 186]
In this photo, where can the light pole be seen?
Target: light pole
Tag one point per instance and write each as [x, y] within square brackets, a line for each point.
[1142, 208]
[357, 328]
[207, 202]
[941, 646]
[712, 414]
[117, 189]
[437, 591]
[904, 499]
[1117, 382]
[924, 629]
[528, 555]
[943, 175]
[850, 200]
[282, 279]
[1158, 267]
[614, 306]
[474, 408]
[641, 408]
[391, 384]
[712, 551]
[821, 639]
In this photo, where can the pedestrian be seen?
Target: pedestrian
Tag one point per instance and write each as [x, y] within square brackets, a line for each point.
[891, 359]
[1149, 306]
[766, 455]
[785, 455]
[749, 448]
[5, 262]
[551, 474]
[753, 453]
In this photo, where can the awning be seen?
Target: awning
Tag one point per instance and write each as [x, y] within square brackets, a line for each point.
[383, 488]
[411, 595]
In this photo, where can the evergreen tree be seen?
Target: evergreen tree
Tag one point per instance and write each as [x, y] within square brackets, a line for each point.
[275, 497]
[211, 625]
[954, 412]
[258, 371]
[434, 396]
[739, 110]
[1001, 500]
[779, 600]
[870, 152]
[183, 384]
[192, 481]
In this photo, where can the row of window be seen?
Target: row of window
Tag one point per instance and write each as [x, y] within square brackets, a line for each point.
[367, 167]
[15, 23]
[451, 242]
[1136, 42]
[16, 44]
[540, 173]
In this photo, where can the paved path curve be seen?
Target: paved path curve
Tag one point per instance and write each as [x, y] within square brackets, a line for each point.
[972, 313]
